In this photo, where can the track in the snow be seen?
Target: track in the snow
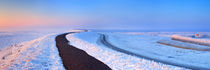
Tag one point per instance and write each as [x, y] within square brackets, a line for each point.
[76, 59]
[103, 40]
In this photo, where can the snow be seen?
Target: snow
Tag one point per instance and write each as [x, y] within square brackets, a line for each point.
[169, 34]
[10, 38]
[184, 45]
[38, 51]
[37, 54]
[146, 45]
[192, 40]
[89, 42]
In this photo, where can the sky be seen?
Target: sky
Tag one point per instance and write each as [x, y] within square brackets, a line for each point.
[182, 15]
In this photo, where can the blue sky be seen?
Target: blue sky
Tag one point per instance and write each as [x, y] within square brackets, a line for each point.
[121, 14]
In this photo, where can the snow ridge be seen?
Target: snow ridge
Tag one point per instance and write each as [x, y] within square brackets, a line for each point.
[184, 45]
[205, 42]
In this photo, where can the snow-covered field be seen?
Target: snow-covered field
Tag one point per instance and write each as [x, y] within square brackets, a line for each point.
[138, 50]
[147, 46]
[37, 54]
[12, 38]
[89, 42]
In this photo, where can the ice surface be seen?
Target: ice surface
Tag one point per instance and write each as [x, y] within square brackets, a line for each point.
[88, 42]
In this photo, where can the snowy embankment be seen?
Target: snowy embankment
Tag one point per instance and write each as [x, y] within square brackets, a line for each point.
[38, 54]
[184, 45]
[88, 42]
[148, 47]
[191, 40]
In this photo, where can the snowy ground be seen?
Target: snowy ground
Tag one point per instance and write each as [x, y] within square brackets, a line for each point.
[11, 38]
[146, 45]
[205, 42]
[37, 51]
[116, 60]
[37, 54]
[26, 50]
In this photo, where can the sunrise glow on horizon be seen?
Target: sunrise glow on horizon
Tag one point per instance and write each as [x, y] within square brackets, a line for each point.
[107, 14]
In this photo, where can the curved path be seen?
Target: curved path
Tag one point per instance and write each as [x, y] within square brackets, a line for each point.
[103, 40]
[76, 59]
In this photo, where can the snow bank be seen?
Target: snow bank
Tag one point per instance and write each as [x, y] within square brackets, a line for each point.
[88, 42]
[147, 46]
[38, 54]
[191, 40]
[184, 45]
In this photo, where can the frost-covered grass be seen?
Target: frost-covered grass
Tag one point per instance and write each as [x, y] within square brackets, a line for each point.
[38, 54]
[116, 60]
